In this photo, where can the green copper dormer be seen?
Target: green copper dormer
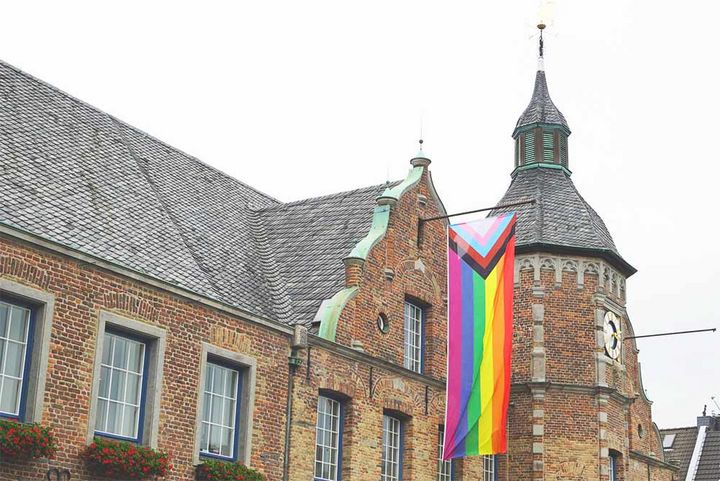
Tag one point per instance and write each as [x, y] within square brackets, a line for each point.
[541, 133]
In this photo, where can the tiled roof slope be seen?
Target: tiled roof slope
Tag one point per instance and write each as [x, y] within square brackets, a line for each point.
[541, 109]
[682, 448]
[311, 237]
[560, 217]
[73, 174]
[709, 464]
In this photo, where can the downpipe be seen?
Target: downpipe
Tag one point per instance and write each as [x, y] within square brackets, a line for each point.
[293, 363]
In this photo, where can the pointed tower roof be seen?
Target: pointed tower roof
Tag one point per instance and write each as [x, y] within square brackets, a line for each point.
[560, 220]
[541, 109]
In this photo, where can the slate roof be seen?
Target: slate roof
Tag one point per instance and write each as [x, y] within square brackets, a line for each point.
[709, 464]
[310, 237]
[75, 175]
[560, 218]
[541, 108]
[682, 448]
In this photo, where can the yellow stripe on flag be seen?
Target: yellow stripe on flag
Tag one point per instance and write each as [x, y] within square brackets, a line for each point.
[487, 383]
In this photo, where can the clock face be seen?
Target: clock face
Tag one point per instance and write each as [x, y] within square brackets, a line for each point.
[612, 334]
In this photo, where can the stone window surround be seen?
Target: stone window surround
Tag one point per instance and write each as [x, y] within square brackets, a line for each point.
[44, 304]
[248, 369]
[156, 344]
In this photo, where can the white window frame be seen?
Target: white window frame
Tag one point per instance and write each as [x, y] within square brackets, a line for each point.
[233, 399]
[445, 468]
[413, 326]
[155, 343]
[489, 467]
[392, 450]
[113, 371]
[325, 429]
[247, 367]
[43, 304]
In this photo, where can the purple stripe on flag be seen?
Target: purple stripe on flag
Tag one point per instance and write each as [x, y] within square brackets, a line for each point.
[454, 355]
[468, 348]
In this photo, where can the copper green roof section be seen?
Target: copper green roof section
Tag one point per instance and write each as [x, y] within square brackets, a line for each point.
[381, 217]
[330, 310]
[412, 179]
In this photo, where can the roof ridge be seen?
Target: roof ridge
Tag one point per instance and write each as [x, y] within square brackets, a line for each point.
[166, 211]
[125, 124]
[677, 429]
[327, 196]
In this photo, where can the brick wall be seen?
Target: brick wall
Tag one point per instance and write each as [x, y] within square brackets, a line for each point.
[572, 406]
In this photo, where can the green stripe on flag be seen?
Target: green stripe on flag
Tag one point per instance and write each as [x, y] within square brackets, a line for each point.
[473, 438]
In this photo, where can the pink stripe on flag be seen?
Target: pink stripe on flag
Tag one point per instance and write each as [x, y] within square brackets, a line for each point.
[454, 359]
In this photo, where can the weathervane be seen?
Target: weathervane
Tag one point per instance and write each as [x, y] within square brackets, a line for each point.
[541, 27]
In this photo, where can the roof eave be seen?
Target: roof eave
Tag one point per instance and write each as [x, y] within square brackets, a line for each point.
[525, 127]
[606, 254]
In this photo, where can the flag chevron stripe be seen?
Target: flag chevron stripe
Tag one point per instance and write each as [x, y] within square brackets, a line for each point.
[461, 241]
[482, 266]
[480, 303]
[482, 236]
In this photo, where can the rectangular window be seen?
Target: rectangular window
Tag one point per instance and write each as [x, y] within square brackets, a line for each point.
[612, 472]
[15, 346]
[413, 336]
[444, 467]
[392, 451]
[489, 467]
[328, 441]
[218, 430]
[122, 387]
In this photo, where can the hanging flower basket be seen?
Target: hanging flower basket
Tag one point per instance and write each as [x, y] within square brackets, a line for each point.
[124, 460]
[211, 470]
[20, 441]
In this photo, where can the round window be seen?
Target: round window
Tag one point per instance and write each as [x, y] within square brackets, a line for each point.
[382, 323]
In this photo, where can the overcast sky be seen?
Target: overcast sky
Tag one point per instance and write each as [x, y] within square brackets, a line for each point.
[300, 99]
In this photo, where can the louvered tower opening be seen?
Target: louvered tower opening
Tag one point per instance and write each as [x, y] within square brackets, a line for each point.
[547, 144]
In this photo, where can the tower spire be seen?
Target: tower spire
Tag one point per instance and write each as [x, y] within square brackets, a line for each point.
[541, 131]
[541, 47]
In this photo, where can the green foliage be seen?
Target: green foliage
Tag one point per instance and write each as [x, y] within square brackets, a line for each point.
[121, 459]
[25, 441]
[211, 470]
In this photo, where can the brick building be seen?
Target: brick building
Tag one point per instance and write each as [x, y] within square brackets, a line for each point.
[149, 297]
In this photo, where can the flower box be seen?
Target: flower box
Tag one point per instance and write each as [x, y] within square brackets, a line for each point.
[20, 441]
[211, 470]
[124, 460]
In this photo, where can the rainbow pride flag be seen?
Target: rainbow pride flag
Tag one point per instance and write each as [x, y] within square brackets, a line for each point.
[481, 257]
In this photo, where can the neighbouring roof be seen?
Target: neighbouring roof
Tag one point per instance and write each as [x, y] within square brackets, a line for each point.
[541, 109]
[709, 464]
[560, 218]
[681, 451]
[682, 447]
[77, 176]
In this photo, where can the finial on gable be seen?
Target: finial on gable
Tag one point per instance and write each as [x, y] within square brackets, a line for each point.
[420, 159]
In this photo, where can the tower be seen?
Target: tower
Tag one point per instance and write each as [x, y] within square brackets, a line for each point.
[578, 409]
